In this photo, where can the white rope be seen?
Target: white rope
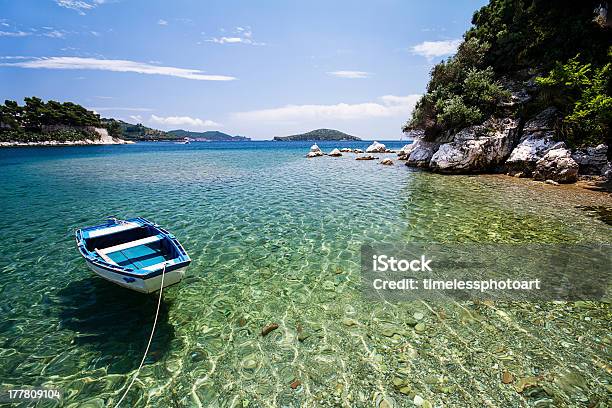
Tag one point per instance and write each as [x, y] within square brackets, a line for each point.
[161, 289]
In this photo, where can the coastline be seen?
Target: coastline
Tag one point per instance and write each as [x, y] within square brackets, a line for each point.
[55, 143]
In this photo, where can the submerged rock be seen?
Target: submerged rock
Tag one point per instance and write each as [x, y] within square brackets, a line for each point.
[376, 148]
[386, 162]
[477, 148]
[358, 151]
[556, 165]
[366, 157]
[335, 153]
[269, 328]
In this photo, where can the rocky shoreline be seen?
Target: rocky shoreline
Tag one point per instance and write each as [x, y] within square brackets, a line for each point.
[499, 146]
[508, 146]
[104, 139]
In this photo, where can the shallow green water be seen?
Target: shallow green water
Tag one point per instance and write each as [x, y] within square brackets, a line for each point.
[276, 238]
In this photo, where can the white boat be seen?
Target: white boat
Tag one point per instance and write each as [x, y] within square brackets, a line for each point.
[133, 253]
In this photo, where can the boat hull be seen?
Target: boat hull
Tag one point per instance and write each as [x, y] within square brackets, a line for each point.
[148, 285]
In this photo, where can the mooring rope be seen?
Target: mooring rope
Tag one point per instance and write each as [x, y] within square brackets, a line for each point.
[161, 289]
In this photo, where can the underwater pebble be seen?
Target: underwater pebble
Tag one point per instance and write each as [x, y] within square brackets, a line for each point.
[295, 383]
[418, 316]
[347, 321]
[249, 363]
[507, 378]
[418, 400]
[267, 329]
[420, 328]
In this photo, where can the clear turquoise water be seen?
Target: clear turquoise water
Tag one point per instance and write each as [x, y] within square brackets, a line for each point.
[275, 237]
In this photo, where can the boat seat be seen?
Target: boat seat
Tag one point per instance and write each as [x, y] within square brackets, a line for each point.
[105, 257]
[127, 245]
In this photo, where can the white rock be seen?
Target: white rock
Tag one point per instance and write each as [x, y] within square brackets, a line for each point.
[556, 165]
[421, 153]
[335, 153]
[531, 149]
[418, 400]
[314, 148]
[314, 154]
[376, 148]
[477, 148]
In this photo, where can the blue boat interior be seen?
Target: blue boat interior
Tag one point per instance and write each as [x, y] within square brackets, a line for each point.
[135, 257]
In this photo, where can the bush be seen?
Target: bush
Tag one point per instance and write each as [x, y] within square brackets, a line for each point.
[582, 93]
[460, 93]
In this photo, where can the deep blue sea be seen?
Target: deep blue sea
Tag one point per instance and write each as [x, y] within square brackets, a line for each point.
[276, 237]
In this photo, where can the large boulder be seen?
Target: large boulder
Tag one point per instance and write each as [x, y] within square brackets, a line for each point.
[531, 148]
[376, 148]
[536, 140]
[477, 148]
[315, 151]
[591, 160]
[335, 153]
[421, 153]
[403, 153]
[557, 165]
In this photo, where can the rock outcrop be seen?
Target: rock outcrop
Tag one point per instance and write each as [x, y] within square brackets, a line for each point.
[536, 140]
[315, 151]
[557, 165]
[477, 148]
[376, 148]
[335, 153]
[592, 160]
[421, 153]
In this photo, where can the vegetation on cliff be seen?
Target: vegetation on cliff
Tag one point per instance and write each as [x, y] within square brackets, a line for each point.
[39, 121]
[318, 134]
[558, 53]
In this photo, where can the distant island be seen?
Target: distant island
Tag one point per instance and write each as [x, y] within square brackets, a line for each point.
[209, 136]
[317, 135]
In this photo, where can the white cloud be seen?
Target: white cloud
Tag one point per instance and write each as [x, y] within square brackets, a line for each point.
[186, 121]
[55, 34]
[78, 5]
[387, 106]
[14, 33]
[162, 22]
[241, 35]
[350, 74]
[431, 49]
[116, 66]
[136, 118]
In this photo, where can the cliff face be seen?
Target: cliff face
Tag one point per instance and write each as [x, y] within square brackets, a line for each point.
[528, 93]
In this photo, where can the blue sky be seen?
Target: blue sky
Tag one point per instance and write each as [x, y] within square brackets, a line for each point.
[260, 69]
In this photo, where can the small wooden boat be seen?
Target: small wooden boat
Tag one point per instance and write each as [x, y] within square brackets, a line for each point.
[133, 253]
